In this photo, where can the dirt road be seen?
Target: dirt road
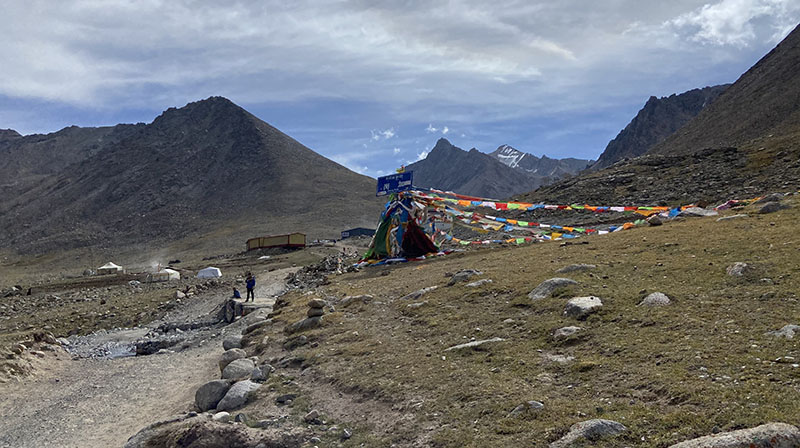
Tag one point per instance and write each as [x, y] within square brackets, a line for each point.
[102, 402]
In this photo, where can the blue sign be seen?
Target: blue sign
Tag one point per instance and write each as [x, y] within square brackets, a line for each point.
[394, 183]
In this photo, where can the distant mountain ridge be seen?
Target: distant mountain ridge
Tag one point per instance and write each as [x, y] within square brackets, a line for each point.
[486, 175]
[208, 167]
[657, 120]
[544, 166]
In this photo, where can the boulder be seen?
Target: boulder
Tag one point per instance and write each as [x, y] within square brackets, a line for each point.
[771, 207]
[547, 287]
[565, 333]
[528, 406]
[771, 435]
[418, 293]
[180, 295]
[576, 268]
[232, 342]
[590, 430]
[240, 368]
[260, 323]
[654, 220]
[463, 276]
[237, 395]
[222, 417]
[581, 307]
[774, 197]
[787, 331]
[655, 299]
[315, 312]
[229, 356]
[209, 394]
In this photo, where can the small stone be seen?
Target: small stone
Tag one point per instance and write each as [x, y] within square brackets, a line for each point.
[565, 333]
[576, 268]
[346, 434]
[293, 343]
[654, 220]
[417, 305]
[315, 312]
[738, 269]
[474, 344]
[463, 276]
[364, 298]
[418, 293]
[655, 299]
[581, 307]
[479, 283]
[312, 417]
[222, 417]
[590, 430]
[240, 418]
[728, 218]
[259, 374]
[524, 407]
[18, 349]
[547, 287]
[283, 399]
[180, 295]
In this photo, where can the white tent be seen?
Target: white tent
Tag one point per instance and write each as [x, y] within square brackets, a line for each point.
[164, 275]
[209, 272]
[110, 268]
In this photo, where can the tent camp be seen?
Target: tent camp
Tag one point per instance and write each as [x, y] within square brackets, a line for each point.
[399, 232]
[110, 268]
[164, 275]
[209, 272]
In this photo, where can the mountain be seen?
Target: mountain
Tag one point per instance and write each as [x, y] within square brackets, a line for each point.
[470, 172]
[657, 120]
[209, 168]
[543, 166]
[744, 144]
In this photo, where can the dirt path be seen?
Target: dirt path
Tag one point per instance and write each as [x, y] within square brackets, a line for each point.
[102, 402]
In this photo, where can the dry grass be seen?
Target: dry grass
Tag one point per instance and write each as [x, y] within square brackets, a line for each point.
[668, 374]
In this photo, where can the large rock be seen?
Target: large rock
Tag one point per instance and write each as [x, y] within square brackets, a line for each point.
[787, 331]
[463, 276]
[303, 325]
[770, 435]
[771, 207]
[232, 342]
[237, 395]
[590, 430]
[580, 307]
[547, 287]
[228, 356]
[209, 394]
[655, 299]
[316, 303]
[576, 268]
[240, 368]
[565, 333]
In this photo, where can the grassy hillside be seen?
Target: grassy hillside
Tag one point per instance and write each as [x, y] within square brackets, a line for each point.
[701, 364]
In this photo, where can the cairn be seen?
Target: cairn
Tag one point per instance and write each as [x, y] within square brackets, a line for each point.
[315, 308]
[314, 319]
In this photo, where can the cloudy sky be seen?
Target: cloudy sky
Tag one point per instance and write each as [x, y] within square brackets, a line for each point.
[374, 84]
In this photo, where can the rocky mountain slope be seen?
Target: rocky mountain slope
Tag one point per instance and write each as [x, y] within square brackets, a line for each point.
[744, 144]
[544, 166]
[209, 168]
[657, 120]
[478, 174]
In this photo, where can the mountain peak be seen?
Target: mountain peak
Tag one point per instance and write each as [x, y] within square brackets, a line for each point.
[8, 134]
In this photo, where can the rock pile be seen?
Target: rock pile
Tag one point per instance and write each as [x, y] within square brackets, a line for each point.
[314, 319]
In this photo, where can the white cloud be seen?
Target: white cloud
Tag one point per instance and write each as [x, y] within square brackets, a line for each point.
[445, 130]
[422, 155]
[388, 133]
[396, 150]
[430, 129]
[375, 136]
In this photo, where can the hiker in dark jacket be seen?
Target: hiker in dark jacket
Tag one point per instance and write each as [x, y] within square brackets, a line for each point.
[236, 294]
[251, 283]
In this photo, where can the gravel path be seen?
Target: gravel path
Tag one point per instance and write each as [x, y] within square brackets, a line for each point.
[102, 402]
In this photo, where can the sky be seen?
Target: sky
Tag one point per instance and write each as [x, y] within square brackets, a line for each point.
[374, 84]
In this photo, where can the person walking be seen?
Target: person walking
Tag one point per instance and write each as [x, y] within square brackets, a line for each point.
[251, 284]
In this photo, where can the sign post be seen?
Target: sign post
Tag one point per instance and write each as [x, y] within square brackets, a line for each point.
[395, 183]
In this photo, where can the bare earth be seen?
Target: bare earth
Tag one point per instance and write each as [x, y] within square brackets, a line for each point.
[102, 402]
